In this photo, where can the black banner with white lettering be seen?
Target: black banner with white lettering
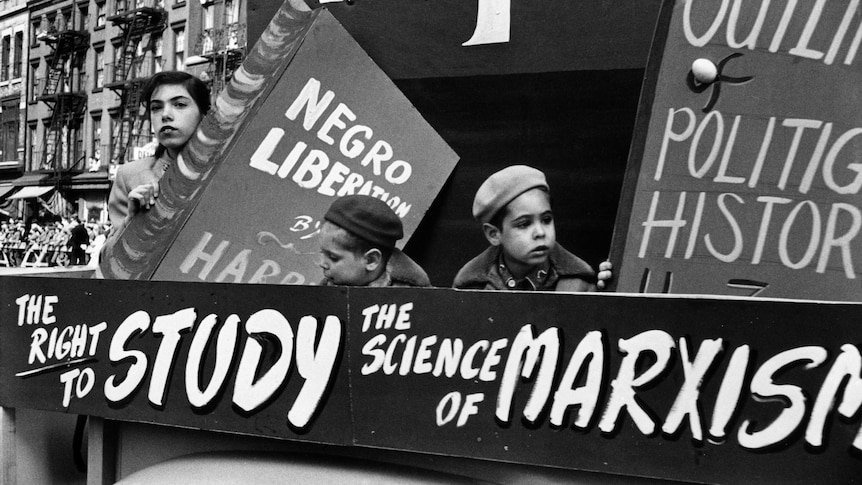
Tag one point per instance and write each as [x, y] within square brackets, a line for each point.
[697, 389]
[205, 356]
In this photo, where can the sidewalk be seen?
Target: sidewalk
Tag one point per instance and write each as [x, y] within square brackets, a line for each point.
[51, 271]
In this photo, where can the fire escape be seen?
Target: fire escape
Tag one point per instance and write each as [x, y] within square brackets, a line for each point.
[65, 96]
[130, 73]
[223, 47]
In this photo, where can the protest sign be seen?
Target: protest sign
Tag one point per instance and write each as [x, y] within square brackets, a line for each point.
[743, 176]
[306, 119]
[705, 390]
[333, 125]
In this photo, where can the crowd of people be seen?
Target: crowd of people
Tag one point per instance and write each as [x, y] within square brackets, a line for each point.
[50, 243]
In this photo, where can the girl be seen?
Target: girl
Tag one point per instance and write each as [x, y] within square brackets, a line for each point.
[176, 102]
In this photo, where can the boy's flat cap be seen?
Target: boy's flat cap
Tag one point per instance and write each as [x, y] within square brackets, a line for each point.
[503, 187]
[366, 217]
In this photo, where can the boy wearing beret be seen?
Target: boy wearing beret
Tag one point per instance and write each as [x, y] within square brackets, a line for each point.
[357, 246]
[514, 208]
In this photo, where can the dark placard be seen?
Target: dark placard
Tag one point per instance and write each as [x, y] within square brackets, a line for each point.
[694, 389]
[333, 125]
[745, 180]
[233, 358]
[710, 391]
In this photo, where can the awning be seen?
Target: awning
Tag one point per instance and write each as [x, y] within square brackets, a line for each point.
[30, 192]
[5, 189]
[29, 179]
[90, 181]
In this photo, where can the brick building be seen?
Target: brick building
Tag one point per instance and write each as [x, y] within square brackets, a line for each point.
[70, 81]
[14, 31]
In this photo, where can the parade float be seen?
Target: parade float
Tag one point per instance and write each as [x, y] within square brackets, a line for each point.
[728, 353]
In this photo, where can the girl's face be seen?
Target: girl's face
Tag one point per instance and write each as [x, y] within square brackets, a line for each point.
[174, 116]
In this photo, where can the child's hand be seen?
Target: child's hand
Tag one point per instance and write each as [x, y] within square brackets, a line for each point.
[143, 197]
[605, 274]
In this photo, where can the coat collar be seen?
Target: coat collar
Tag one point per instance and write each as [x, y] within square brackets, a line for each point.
[482, 270]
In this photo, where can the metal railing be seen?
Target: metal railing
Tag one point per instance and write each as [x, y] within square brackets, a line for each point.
[142, 67]
[62, 24]
[76, 83]
[124, 6]
[214, 41]
[42, 158]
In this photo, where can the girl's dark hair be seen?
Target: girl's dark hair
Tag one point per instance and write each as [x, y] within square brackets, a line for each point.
[198, 89]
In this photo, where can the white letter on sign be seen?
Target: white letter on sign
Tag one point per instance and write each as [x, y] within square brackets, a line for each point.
[492, 23]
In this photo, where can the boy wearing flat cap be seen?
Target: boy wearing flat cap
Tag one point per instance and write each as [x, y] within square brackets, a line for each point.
[357, 246]
[514, 208]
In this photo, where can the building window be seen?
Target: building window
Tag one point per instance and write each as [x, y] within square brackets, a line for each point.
[100, 15]
[18, 54]
[231, 11]
[231, 23]
[135, 137]
[79, 154]
[157, 53]
[33, 81]
[66, 85]
[207, 47]
[85, 18]
[139, 68]
[9, 130]
[121, 6]
[96, 148]
[34, 32]
[33, 150]
[208, 22]
[179, 48]
[45, 152]
[64, 20]
[209, 15]
[116, 120]
[52, 26]
[6, 50]
[100, 67]
[81, 85]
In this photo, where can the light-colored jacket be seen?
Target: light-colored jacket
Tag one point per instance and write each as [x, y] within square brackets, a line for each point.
[129, 176]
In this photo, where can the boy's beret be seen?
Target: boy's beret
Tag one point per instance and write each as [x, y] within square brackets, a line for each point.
[503, 187]
[366, 217]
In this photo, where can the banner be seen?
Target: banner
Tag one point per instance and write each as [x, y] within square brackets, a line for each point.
[201, 356]
[694, 389]
[744, 176]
